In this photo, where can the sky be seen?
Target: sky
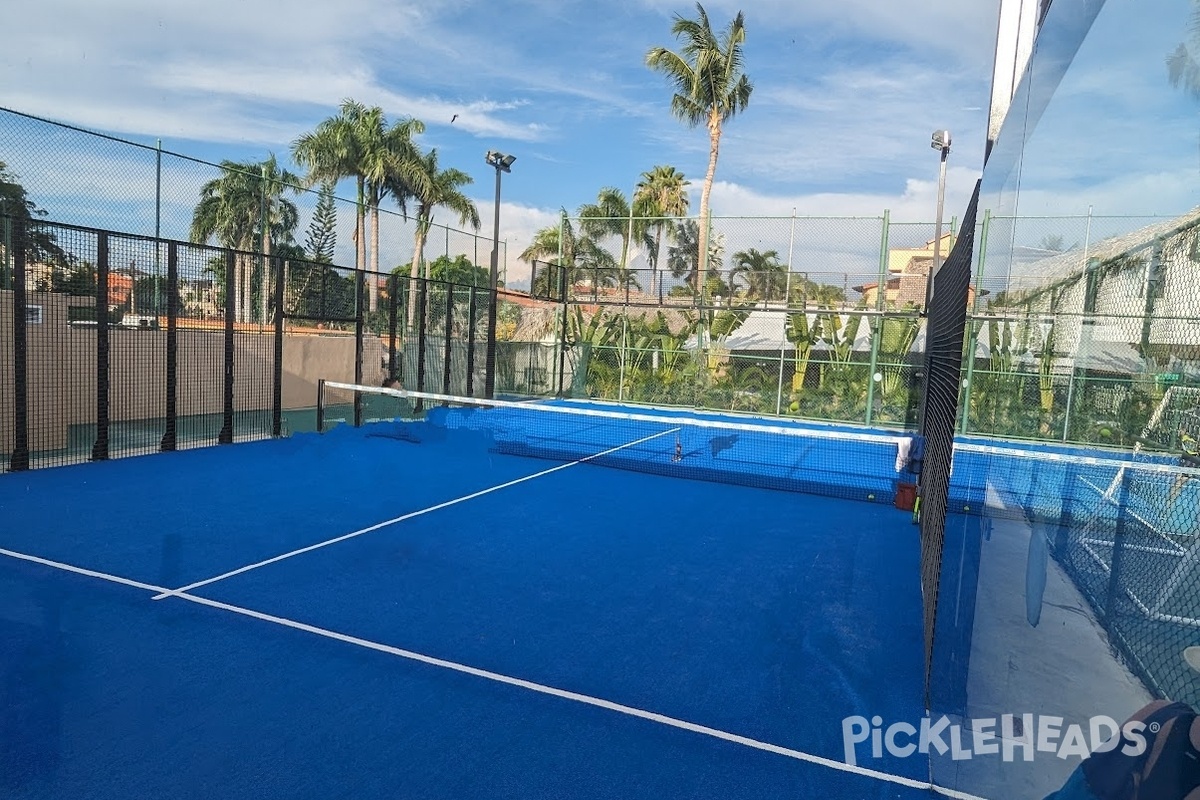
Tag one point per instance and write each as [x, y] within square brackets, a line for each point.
[846, 96]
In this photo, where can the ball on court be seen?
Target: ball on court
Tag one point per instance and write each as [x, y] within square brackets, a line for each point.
[870, 497]
[966, 508]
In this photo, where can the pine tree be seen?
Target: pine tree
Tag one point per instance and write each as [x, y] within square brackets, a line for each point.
[322, 231]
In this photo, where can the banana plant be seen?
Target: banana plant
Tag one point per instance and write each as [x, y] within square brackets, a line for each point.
[896, 339]
[804, 334]
[840, 335]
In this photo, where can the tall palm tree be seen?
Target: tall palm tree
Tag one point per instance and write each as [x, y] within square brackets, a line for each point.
[232, 209]
[661, 193]
[710, 86]
[332, 151]
[359, 143]
[766, 277]
[434, 188]
[391, 165]
[279, 216]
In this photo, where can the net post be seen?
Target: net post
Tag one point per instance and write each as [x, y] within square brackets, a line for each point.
[422, 300]
[170, 436]
[321, 405]
[226, 434]
[280, 270]
[100, 446]
[1114, 569]
[472, 320]
[360, 283]
[447, 353]
[19, 460]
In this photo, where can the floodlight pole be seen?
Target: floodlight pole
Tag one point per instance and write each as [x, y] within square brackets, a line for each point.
[501, 163]
[941, 141]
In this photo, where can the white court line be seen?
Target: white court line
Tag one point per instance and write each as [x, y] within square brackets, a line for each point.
[520, 683]
[410, 515]
[1153, 528]
[682, 416]
[104, 576]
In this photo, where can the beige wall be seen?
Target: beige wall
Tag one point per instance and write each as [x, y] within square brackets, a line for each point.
[62, 371]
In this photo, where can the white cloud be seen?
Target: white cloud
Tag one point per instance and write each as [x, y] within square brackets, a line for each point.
[917, 202]
[182, 70]
[944, 26]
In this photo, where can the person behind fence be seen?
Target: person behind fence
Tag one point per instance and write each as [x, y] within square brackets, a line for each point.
[1191, 450]
[1167, 767]
[1189, 458]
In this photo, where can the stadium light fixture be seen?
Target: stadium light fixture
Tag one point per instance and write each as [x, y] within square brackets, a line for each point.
[501, 163]
[940, 141]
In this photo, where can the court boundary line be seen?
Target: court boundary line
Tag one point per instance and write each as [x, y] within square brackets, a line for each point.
[379, 525]
[508, 680]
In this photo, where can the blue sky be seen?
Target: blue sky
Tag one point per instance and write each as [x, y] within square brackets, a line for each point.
[846, 94]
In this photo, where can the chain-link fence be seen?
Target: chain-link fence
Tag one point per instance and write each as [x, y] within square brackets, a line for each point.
[801, 316]
[1079, 328]
[92, 180]
[1076, 325]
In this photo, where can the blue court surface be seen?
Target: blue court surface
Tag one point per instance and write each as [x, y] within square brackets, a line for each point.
[459, 608]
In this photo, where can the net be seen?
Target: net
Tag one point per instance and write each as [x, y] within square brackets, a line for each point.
[829, 460]
[1123, 528]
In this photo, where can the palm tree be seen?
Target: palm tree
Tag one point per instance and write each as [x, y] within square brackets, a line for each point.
[660, 194]
[683, 257]
[610, 215]
[233, 209]
[553, 245]
[1183, 71]
[279, 218]
[359, 143]
[710, 87]
[434, 188]
[766, 278]
[331, 152]
[576, 252]
[391, 165]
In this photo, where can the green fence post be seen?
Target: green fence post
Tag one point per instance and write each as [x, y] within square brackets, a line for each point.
[564, 286]
[787, 303]
[878, 320]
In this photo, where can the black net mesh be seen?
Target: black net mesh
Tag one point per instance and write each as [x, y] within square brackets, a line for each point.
[132, 345]
[942, 383]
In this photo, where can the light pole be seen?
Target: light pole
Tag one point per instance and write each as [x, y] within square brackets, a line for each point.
[502, 163]
[941, 141]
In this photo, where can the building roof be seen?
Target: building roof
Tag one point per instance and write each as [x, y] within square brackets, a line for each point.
[765, 330]
[1046, 272]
